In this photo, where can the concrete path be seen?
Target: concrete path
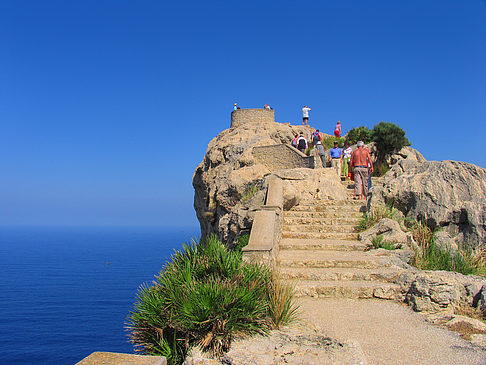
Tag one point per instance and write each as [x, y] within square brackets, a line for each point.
[388, 332]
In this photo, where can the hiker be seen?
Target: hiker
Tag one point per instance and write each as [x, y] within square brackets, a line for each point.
[305, 114]
[335, 157]
[302, 143]
[347, 151]
[337, 129]
[360, 160]
[294, 141]
[316, 137]
[235, 106]
[267, 107]
[321, 153]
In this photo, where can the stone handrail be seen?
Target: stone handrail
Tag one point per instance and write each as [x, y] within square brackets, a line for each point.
[266, 230]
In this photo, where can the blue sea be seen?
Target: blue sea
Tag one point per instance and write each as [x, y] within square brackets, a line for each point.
[66, 292]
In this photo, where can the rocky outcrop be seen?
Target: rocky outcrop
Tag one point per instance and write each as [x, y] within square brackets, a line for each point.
[387, 228]
[229, 182]
[446, 194]
[440, 291]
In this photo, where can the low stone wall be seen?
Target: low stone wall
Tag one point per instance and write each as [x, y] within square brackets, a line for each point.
[266, 230]
[241, 116]
[282, 156]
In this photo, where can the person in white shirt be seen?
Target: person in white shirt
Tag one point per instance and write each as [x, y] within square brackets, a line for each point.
[305, 114]
[302, 143]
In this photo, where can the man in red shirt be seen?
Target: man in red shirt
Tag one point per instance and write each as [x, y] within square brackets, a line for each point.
[360, 160]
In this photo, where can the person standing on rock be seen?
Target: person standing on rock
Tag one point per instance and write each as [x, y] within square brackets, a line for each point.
[337, 129]
[302, 143]
[320, 151]
[335, 157]
[362, 166]
[235, 106]
[305, 114]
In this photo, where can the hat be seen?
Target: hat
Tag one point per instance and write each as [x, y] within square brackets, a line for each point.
[360, 143]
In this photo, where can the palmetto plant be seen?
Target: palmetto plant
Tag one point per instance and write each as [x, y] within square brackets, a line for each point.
[205, 296]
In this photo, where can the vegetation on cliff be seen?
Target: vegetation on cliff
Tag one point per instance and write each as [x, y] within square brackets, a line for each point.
[206, 296]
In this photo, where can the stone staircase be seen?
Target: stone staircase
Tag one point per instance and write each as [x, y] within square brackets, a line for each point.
[320, 251]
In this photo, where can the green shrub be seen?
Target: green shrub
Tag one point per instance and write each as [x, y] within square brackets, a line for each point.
[380, 168]
[281, 305]
[379, 242]
[369, 219]
[250, 192]
[242, 242]
[328, 142]
[359, 134]
[388, 138]
[205, 296]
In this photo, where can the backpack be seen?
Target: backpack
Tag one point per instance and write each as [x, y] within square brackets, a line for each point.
[315, 137]
[301, 145]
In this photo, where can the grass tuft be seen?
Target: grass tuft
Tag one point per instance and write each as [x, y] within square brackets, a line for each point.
[379, 242]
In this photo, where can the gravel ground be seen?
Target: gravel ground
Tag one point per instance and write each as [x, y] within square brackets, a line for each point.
[388, 332]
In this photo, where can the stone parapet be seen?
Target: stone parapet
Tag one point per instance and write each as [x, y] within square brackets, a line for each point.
[112, 358]
[266, 230]
[282, 156]
[241, 116]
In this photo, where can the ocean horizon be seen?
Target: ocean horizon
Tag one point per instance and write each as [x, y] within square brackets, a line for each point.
[66, 291]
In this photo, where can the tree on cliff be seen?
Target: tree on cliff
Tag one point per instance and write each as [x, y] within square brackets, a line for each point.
[389, 138]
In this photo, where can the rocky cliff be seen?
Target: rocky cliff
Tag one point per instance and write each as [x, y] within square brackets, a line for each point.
[229, 183]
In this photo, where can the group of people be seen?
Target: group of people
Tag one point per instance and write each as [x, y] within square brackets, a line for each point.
[343, 160]
[305, 121]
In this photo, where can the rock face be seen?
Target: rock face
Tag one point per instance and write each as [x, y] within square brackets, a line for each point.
[228, 182]
[387, 228]
[447, 194]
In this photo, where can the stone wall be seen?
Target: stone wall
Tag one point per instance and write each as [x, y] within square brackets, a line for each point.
[282, 156]
[242, 116]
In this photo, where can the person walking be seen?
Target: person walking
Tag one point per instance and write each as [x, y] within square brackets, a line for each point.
[316, 137]
[362, 166]
[305, 114]
[337, 129]
[347, 151]
[335, 157]
[294, 141]
[321, 153]
[302, 143]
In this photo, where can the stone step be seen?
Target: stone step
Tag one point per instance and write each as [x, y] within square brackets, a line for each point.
[332, 203]
[320, 235]
[328, 259]
[336, 209]
[320, 228]
[320, 244]
[335, 215]
[348, 289]
[387, 274]
[322, 221]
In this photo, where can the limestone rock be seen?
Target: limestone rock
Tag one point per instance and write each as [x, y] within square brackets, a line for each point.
[439, 291]
[228, 182]
[444, 240]
[389, 229]
[447, 194]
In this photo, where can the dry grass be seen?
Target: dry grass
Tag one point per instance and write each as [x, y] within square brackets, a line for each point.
[282, 308]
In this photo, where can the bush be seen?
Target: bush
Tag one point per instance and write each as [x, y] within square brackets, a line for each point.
[369, 219]
[379, 242]
[205, 296]
[359, 134]
[328, 142]
[388, 138]
[250, 192]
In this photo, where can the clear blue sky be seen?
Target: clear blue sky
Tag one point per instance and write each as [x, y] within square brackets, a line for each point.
[107, 107]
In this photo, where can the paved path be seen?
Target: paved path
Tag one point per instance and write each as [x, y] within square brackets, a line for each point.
[388, 332]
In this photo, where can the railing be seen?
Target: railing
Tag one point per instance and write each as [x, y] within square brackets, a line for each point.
[266, 230]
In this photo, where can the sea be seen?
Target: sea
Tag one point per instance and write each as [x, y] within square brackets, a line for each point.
[66, 292]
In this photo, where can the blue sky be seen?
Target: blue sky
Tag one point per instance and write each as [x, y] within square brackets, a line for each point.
[107, 107]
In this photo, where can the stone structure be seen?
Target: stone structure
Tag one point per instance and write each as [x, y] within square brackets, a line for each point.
[228, 182]
[241, 116]
[113, 358]
[282, 156]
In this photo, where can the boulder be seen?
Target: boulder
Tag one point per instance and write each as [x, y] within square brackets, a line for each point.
[446, 194]
[443, 240]
[389, 229]
[439, 291]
